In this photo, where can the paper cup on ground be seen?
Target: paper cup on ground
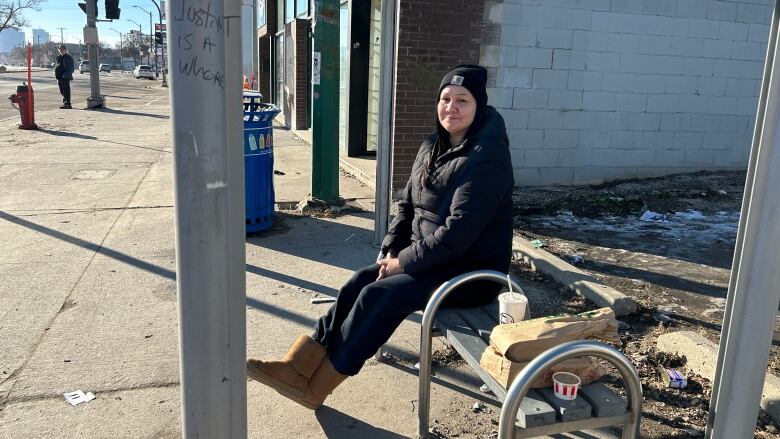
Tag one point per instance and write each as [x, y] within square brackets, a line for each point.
[565, 385]
[511, 307]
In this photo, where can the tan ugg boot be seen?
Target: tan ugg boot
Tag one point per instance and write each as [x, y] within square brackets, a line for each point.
[291, 375]
[321, 384]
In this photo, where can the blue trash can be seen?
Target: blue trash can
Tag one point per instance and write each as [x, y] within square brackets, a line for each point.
[258, 162]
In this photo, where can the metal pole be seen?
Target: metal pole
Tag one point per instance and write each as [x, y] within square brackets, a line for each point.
[209, 215]
[744, 348]
[121, 64]
[384, 158]
[62, 37]
[95, 99]
[536, 368]
[164, 73]
[325, 100]
[758, 127]
[434, 303]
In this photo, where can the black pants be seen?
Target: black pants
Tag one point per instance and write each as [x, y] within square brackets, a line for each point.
[64, 90]
[367, 312]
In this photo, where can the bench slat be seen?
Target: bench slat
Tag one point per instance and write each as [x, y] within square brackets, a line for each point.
[604, 401]
[574, 410]
[533, 410]
[480, 322]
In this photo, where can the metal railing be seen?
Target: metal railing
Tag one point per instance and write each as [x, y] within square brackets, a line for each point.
[537, 367]
[434, 303]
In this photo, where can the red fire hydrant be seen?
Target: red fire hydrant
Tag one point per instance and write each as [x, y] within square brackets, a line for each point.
[24, 101]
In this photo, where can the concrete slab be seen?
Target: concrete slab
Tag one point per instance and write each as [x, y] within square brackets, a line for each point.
[38, 238]
[702, 356]
[143, 233]
[142, 413]
[32, 295]
[117, 332]
[55, 187]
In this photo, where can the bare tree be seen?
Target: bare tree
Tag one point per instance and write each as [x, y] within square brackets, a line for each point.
[11, 12]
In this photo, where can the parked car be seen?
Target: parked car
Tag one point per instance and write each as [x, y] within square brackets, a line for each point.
[105, 68]
[83, 66]
[143, 71]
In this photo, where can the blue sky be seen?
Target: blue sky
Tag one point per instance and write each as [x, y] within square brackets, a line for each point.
[66, 13]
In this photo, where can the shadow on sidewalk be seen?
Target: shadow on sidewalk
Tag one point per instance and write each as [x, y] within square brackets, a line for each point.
[338, 425]
[335, 248]
[298, 282]
[134, 113]
[67, 134]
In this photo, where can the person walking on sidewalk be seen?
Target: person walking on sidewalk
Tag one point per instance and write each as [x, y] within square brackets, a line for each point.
[455, 216]
[64, 74]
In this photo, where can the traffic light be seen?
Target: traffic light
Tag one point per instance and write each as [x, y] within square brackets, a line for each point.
[112, 9]
[83, 7]
[158, 38]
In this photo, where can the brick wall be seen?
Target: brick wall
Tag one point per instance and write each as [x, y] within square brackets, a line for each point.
[300, 111]
[596, 90]
[434, 36]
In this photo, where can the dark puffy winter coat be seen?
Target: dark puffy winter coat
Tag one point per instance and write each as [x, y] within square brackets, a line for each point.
[65, 67]
[463, 213]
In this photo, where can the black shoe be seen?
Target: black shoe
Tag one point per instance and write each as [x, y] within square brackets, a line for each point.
[65, 106]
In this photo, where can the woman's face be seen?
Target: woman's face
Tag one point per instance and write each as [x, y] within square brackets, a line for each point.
[457, 108]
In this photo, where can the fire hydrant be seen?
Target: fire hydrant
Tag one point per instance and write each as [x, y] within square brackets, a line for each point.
[25, 100]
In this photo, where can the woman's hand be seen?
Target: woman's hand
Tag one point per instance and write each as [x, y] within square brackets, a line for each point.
[389, 266]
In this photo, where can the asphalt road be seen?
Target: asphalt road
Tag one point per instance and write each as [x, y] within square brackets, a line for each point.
[119, 89]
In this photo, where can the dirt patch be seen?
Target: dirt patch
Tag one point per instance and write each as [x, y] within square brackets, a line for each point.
[704, 191]
[677, 268]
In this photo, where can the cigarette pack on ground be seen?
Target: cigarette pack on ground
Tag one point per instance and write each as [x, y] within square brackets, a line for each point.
[523, 341]
[673, 378]
[505, 371]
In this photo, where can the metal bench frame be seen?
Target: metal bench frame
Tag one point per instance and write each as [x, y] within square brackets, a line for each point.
[522, 384]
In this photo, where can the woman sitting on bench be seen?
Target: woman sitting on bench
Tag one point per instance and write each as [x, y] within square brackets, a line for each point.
[455, 216]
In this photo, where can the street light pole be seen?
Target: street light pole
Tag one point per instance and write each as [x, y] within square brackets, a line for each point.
[121, 62]
[165, 67]
[210, 226]
[141, 40]
[151, 33]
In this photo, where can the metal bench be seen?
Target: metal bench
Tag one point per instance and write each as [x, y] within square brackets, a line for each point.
[526, 413]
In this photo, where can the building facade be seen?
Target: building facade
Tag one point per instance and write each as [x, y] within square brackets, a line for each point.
[10, 39]
[591, 90]
[40, 36]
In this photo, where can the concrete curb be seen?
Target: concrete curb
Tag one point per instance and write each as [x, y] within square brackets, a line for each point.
[354, 171]
[702, 356]
[578, 281]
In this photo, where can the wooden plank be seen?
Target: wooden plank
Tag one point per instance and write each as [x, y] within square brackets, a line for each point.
[563, 427]
[604, 401]
[480, 322]
[533, 410]
[573, 410]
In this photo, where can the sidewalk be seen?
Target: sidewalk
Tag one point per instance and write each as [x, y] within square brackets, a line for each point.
[88, 294]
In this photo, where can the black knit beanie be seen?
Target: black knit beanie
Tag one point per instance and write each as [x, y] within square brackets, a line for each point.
[473, 77]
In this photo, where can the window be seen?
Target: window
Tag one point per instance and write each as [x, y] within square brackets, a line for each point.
[261, 14]
[289, 11]
[302, 8]
[280, 15]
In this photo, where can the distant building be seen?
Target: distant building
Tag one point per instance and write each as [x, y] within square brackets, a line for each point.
[10, 38]
[40, 36]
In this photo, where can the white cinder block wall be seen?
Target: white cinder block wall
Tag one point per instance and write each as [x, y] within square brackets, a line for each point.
[595, 90]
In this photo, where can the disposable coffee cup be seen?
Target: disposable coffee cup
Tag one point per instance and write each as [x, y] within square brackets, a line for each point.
[565, 385]
[511, 307]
